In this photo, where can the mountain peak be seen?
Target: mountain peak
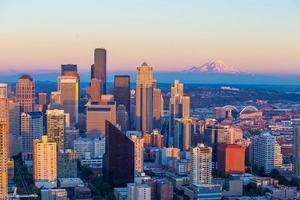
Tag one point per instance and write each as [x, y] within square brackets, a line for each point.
[215, 66]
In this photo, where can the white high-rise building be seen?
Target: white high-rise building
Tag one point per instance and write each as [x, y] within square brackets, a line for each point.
[267, 152]
[201, 164]
[44, 163]
[88, 148]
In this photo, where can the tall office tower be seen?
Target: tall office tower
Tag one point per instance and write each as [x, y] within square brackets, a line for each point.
[121, 93]
[4, 130]
[56, 127]
[201, 164]
[184, 132]
[158, 104]
[69, 70]
[138, 191]
[99, 68]
[118, 158]
[267, 152]
[231, 158]
[93, 91]
[98, 112]
[3, 90]
[44, 162]
[132, 110]
[67, 164]
[138, 153]
[31, 129]
[14, 128]
[296, 150]
[144, 98]
[43, 99]
[179, 107]
[25, 93]
[122, 117]
[69, 96]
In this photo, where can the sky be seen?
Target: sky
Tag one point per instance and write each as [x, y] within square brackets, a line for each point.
[260, 36]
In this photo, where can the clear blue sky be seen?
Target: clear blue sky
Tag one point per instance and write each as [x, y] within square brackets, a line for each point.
[252, 35]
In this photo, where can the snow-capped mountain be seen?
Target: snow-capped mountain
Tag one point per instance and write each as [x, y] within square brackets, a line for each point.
[216, 66]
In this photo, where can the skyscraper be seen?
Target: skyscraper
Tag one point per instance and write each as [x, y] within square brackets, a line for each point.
[201, 164]
[93, 91]
[158, 104]
[267, 152]
[56, 127]
[98, 112]
[67, 164]
[144, 98]
[69, 96]
[296, 150]
[122, 93]
[14, 128]
[25, 93]
[118, 157]
[31, 129]
[44, 162]
[99, 68]
[179, 107]
[122, 117]
[4, 130]
[184, 131]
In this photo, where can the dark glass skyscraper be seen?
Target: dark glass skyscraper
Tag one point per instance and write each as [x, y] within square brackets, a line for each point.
[122, 93]
[118, 158]
[69, 70]
[98, 70]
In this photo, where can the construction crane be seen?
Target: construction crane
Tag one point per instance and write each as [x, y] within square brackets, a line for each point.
[16, 196]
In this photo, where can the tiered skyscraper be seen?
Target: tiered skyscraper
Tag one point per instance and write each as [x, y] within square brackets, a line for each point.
[144, 98]
[25, 93]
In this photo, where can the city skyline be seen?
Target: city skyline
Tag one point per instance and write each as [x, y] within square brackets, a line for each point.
[255, 37]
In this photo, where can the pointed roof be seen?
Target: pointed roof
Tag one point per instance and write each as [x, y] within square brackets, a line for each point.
[144, 64]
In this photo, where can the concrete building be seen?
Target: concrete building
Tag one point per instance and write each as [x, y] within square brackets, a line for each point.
[144, 98]
[231, 158]
[68, 86]
[93, 91]
[67, 164]
[98, 112]
[44, 163]
[25, 93]
[14, 128]
[31, 129]
[3, 90]
[267, 152]
[164, 190]
[122, 117]
[56, 127]
[201, 165]
[54, 194]
[138, 191]
[138, 153]
[88, 148]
